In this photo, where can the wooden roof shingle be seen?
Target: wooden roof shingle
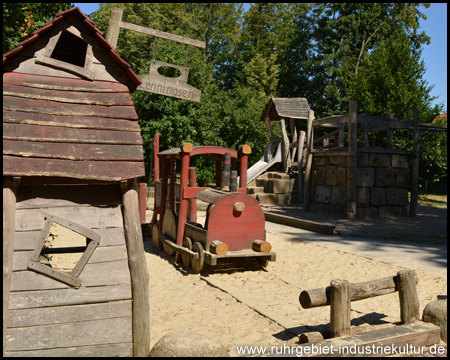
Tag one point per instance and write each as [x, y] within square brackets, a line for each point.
[276, 108]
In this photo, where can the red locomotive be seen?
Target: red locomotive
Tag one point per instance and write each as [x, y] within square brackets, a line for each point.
[234, 225]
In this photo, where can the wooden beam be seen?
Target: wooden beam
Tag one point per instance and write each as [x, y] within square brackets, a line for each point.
[352, 163]
[163, 35]
[415, 167]
[380, 342]
[115, 19]
[299, 223]
[138, 270]
[358, 291]
[309, 159]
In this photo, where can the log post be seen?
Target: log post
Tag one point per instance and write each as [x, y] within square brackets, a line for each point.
[415, 168]
[172, 171]
[185, 158]
[261, 246]
[192, 201]
[243, 152]
[9, 216]
[112, 35]
[285, 147]
[226, 172]
[301, 142]
[340, 308]
[155, 167]
[218, 247]
[351, 165]
[138, 270]
[309, 160]
[407, 293]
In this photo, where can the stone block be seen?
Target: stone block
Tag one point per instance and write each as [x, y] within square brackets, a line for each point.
[397, 197]
[402, 178]
[436, 313]
[280, 175]
[362, 197]
[284, 199]
[338, 196]
[261, 183]
[362, 160]
[321, 160]
[331, 176]
[278, 186]
[255, 190]
[321, 175]
[399, 161]
[384, 177]
[365, 176]
[336, 160]
[342, 176]
[378, 196]
[268, 199]
[322, 194]
[379, 160]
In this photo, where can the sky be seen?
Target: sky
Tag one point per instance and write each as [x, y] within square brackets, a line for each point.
[434, 55]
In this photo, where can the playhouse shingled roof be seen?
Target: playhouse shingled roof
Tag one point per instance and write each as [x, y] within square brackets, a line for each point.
[276, 108]
[68, 126]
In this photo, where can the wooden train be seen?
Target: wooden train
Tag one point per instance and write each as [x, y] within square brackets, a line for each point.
[234, 227]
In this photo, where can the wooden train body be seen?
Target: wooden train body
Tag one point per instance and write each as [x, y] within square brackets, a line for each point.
[234, 226]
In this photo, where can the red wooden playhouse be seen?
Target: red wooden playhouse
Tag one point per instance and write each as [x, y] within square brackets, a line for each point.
[72, 152]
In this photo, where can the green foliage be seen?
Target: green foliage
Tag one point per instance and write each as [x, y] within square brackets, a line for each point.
[329, 53]
[20, 20]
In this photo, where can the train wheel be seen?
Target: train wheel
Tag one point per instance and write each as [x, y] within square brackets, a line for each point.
[197, 265]
[170, 229]
[187, 243]
[155, 234]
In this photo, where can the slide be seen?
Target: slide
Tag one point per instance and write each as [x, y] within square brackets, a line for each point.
[264, 164]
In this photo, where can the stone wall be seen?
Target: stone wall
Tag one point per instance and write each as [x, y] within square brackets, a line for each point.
[382, 183]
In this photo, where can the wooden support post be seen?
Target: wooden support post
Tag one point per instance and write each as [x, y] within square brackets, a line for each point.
[142, 193]
[226, 172]
[192, 201]
[285, 147]
[114, 26]
[243, 152]
[415, 167]
[185, 157]
[138, 270]
[172, 171]
[294, 138]
[271, 137]
[9, 215]
[164, 180]
[301, 142]
[309, 160]
[155, 167]
[340, 308]
[218, 172]
[407, 293]
[351, 166]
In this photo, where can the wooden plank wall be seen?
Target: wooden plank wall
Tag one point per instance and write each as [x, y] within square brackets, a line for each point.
[47, 317]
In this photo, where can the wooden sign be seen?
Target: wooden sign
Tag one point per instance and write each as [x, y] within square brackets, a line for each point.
[177, 87]
[155, 82]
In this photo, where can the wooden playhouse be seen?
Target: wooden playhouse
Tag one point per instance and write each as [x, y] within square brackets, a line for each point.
[72, 152]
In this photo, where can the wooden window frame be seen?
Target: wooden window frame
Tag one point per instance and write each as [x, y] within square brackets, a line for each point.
[46, 59]
[69, 278]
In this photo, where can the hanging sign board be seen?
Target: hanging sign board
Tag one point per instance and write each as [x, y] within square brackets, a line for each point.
[155, 82]
[177, 87]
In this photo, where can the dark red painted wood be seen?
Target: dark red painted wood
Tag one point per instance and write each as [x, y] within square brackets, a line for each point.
[89, 122]
[68, 135]
[77, 97]
[236, 230]
[57, 108]
[41, 81]
[95, 170]
[74, 151]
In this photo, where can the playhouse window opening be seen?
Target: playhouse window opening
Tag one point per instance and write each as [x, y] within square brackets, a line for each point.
[71, 49]
[62, 248]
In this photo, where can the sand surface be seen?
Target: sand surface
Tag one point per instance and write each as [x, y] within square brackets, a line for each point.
[181, 300]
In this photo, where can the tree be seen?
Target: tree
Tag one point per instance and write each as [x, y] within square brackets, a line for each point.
[20, 20]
